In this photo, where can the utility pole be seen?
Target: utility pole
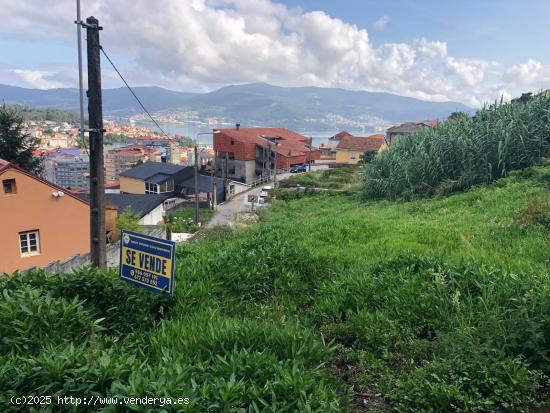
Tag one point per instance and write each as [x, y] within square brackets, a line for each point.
[212, 183]
[97, 173]
[309, 163]
[197, 216]
[80, 81]
[275, 168]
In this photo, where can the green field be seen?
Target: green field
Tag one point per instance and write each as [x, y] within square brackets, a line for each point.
[328, 304]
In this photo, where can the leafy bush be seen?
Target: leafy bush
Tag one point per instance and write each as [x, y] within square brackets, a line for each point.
[458, 154]
[128, 220]
[468, 337]
[184, 220]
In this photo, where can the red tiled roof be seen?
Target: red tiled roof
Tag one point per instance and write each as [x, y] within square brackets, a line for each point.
[370, 143]
[340, 135]
[287, 140]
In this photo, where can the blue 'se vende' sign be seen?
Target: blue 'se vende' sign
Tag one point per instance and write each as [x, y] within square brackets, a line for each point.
[147, 261]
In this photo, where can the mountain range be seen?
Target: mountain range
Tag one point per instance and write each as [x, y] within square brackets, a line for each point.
[254, 104]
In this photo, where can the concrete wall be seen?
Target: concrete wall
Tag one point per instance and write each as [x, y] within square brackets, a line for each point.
[131, 186]
[154, 217]
[63, 223]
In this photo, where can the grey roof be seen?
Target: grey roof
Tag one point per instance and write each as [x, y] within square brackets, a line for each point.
[139, 204]
[148, 169]
[158, 178]
[408, 127]
[187, 187]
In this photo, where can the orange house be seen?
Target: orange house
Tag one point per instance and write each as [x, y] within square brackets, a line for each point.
[40, 222]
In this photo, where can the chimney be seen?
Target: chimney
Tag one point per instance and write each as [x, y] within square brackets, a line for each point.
[237, 126]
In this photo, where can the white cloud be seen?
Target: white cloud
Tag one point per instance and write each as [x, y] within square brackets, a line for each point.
[204, 44]
[37, 79]
[381, 23]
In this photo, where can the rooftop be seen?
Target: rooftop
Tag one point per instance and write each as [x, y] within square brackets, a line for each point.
[370, 143]
[409, 127]
[289, 143]
[138, 204]
[147, 170]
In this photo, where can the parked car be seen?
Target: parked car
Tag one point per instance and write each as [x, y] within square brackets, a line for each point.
[298, 168]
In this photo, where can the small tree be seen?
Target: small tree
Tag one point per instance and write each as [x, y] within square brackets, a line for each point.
[16, 145]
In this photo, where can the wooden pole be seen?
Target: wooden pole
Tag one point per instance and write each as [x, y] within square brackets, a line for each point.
[97, 173]
[197, 216]
[212, 183]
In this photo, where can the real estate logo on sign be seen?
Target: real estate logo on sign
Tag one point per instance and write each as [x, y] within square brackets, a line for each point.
[147, 261]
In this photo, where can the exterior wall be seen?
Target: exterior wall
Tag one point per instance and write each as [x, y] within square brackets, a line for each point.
[240, 150]
[131, 185]
[154, 217]
[63, 223]
[246, 169]
[235, 188]
[343, 156]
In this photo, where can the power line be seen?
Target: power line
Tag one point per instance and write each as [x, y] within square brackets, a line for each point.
[132, 91]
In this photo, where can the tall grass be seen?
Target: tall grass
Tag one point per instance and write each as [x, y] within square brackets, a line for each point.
[458, 154]
[427, 306]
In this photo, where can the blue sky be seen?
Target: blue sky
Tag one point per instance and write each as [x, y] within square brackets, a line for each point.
[469, 51]
[509, 31]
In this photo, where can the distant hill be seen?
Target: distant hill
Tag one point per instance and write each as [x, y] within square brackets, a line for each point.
[253, 104]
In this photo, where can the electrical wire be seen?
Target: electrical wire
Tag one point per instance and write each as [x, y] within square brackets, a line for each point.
[133, 93]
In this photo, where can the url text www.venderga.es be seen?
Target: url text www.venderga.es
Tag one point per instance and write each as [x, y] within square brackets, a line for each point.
[97, 401]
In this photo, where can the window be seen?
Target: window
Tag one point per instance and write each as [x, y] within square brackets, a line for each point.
[9, 186]
[29, 243]
[352, 156]
[151, 188]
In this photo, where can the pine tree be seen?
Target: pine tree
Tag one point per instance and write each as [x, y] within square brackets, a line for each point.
[16, 145]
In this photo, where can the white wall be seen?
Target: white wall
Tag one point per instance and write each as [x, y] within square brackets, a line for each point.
[154, 217]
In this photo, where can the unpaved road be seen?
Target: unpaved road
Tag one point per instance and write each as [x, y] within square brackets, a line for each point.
[228, 211]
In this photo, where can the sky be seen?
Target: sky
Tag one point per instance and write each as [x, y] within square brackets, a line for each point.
[471, 51]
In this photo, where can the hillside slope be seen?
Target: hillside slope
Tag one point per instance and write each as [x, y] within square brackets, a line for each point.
[326, 305]
[254, 104]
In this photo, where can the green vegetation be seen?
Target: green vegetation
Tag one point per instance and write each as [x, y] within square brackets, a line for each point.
[184, 220]
[128, 220]
[110, 138]
[16, 145]
[348, 178]
[463, 152]
[48, 114]
[427, 306]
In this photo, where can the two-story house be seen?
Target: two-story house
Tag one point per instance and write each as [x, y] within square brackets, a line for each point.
[40, 222]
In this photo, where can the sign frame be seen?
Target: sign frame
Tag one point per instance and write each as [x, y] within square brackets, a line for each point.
[143, 244]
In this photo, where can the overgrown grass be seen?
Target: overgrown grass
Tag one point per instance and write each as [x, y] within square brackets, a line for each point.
[458, 154]
[434, 305]
[347, 178]
[184, 220]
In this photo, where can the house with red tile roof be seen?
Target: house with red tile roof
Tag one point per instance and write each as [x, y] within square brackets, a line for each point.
[351, 149]
[244, 154]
